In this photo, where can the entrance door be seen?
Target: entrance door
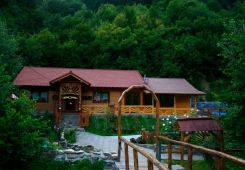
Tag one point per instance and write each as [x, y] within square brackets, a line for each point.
[70, 104]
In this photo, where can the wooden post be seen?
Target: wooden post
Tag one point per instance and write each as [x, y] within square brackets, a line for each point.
[136, 164]
[119, 131]
[157, 130]
[141, 99]
[182, 150]
[126, 156]
[189, 158]
[169, 156]
[195, 103]
[174, 104]
[221, 143]
[150, 165]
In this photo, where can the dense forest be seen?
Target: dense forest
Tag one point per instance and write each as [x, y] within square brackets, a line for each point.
[200, 40]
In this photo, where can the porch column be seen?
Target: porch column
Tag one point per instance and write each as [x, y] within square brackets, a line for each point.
[141, 98]
[195, 103]
[174, 103]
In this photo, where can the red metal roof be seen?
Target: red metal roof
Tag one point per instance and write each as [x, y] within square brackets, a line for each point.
[42, 76]
[198, 124]
[172, 86]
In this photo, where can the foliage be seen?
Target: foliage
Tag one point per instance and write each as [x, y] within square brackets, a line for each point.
[70, 135]
[233, 51]
[21, 134]
[49, 164]
[131, 124]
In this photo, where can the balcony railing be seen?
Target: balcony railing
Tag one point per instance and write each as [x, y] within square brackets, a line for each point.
[131, 109]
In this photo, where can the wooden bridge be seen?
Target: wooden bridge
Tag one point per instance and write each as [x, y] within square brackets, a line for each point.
[155, 161]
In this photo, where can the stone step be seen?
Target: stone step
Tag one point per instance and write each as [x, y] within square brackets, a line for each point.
[70, 120]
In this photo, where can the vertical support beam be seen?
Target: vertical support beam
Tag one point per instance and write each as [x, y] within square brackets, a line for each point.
[221, 143]
[123, 101]
[80, 99]
[141, 98]
[119, 127]
[157, 130]
[136, 163]
[169, 156]
[174, 103]
[150, 165]
[195, 103]
[189, 158]
[182, 150]
[126, 156]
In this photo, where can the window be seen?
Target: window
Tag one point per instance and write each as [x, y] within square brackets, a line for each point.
[147, 99]
[101, 97]
[40, 96]
[166, 100]
[132, 99]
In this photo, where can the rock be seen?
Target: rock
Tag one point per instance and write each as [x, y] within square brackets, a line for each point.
[96, 153]
[114, 156]
[79, 151]
[133, 140]
[107, 154]
[68, 151]
[63, 143]
[60, 157]
[59, 151]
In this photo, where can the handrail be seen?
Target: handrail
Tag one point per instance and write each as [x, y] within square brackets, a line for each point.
[206, 150]
[149, 156]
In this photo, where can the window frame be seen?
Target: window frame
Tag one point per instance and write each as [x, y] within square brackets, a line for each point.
[39, 92]
[100, 93]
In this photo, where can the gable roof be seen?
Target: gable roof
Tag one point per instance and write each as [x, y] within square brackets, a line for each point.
[43, 76]
[198, 124]
[172, 86]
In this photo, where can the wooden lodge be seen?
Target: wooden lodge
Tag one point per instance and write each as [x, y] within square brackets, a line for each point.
[92, 91]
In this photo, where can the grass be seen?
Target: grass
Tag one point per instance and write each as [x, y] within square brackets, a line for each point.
[196, 165]
[49, 164]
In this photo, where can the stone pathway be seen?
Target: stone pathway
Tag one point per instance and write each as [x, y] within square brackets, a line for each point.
[110, 144]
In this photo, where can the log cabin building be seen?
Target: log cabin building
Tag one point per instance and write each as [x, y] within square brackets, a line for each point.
[65, 91]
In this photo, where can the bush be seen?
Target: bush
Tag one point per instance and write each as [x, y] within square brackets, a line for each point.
[50, 164]
[70, 135]
[21, 134]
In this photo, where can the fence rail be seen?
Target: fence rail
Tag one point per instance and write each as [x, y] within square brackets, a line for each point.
[151, 160]
[219, 155]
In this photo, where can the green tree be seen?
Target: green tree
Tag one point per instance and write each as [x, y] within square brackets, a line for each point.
[8, 51]
[233, 51]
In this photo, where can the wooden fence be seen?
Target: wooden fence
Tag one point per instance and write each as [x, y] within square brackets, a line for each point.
[151, 160]
[220, 156]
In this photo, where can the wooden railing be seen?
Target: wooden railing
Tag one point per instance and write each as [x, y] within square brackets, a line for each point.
[92, 109]
[220, 156]
[151, 160]
[131, 109]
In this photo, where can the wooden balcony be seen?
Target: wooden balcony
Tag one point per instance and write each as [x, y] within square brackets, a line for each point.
[133, 109]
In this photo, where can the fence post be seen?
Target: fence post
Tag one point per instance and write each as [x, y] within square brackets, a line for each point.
[150, 165]
[189, 158]
[169, 156]
[126, 156]
[136, 164]
[182, 150]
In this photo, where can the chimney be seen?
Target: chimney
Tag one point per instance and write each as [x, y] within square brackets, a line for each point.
[146, 79]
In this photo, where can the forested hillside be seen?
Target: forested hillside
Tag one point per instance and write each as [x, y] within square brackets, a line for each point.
[163, 38]
[200, 40]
